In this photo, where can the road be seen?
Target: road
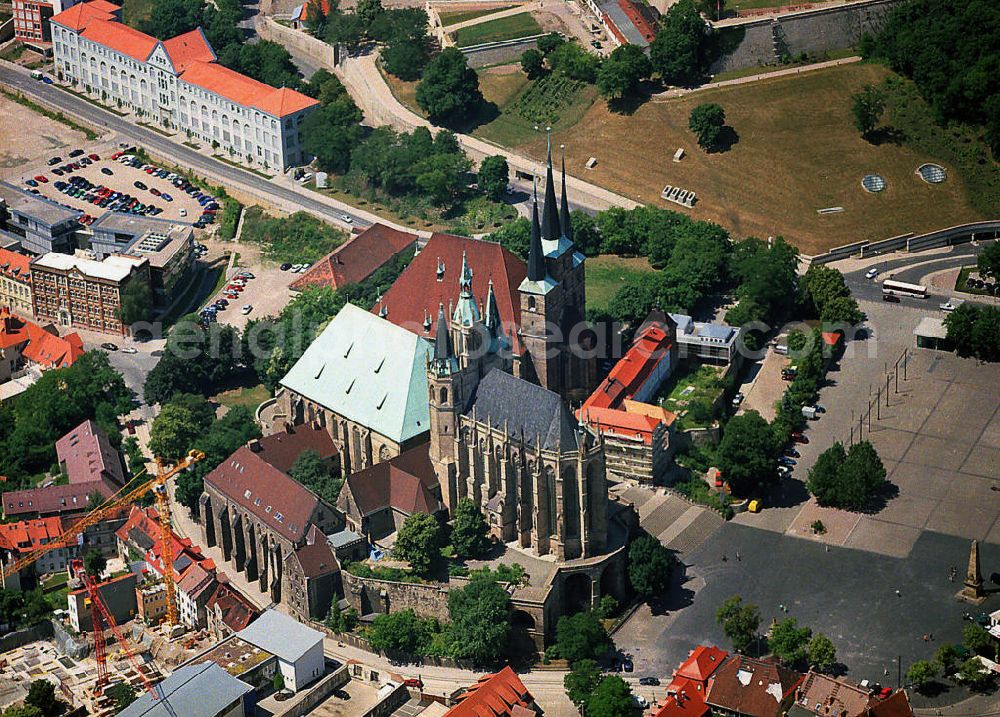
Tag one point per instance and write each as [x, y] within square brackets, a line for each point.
[908, 268]
[228, 175]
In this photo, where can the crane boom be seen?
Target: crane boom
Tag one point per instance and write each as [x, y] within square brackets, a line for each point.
[113, 503]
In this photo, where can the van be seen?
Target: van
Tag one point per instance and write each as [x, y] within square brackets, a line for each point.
[810, 413]
[781, 349]
[36, 75]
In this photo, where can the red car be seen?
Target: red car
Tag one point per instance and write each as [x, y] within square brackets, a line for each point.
[154, 191]
[93, 157]
[414, 682]
[798, 437]
[41, 178]
[116, 155]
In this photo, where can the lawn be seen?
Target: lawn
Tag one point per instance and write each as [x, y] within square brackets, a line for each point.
[607, 273]
[453, 17]
[298, 238]
[503, 28]
[797, 151]
[247, 396]
[690, 383]
[136, 11]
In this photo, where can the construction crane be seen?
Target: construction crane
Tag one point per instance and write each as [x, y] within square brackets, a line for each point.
[98, 612]
[121, 499]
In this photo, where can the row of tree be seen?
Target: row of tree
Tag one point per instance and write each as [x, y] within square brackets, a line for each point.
[847, 479]
[955, 661]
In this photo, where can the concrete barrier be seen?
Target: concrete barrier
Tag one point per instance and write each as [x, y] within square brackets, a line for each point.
[989, 229]
[490, 53]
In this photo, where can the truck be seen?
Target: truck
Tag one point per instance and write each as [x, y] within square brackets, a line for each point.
[810, 413]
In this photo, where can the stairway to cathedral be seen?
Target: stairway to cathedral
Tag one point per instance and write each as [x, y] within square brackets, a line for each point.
[696, 525]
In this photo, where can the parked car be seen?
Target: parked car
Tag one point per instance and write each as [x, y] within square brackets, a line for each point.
[76, 153]
[346, 218]
[139, 185]
[31, 182]
[41, 178]
[107, 170]
[166, 197]
[54, 161]
[246, 309]
[871, 273]
[648, 681]
[108, 346]
[93, 157]
[286, 266]
[786, 461]
[738, 399]
[949, 305]
[154, 191]
[129, 350]
[792, 453]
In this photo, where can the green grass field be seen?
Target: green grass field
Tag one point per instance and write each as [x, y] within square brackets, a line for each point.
[454, 17]
[701, 383]
[607, 273]
[504, 28]
[248, 396]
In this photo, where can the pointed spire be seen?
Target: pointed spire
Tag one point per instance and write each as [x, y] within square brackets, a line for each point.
[491, 313]
[442, 337]
[550, 213]
[536, 260]
[465, 277]
[565, 223]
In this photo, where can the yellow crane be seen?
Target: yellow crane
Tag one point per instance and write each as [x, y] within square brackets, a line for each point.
[157, 484]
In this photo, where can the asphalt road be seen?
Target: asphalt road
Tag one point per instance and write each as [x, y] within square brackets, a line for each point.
[909, 268]
[160, 145]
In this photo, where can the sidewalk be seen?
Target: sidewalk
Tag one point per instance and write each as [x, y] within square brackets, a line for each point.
[682, 91]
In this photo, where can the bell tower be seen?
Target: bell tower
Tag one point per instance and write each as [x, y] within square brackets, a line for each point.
[445, 387]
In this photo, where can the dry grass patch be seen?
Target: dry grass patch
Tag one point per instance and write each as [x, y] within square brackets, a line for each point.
[798, 151]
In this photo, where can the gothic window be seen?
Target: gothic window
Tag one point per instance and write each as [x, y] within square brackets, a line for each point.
[531, 303]
[444, 395]
[550, 490]
[383, 453]
[571, 504]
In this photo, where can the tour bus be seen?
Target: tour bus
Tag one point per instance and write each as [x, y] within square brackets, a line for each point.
[900, 288]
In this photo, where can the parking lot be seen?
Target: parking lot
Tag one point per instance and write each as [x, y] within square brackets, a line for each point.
[117, 177]
[362, 697]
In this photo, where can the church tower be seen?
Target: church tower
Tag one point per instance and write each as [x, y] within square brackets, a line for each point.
[446, 402]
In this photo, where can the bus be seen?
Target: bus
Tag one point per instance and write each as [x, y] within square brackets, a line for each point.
[901, 288]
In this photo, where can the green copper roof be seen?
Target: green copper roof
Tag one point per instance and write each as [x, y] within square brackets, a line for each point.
[369, 371]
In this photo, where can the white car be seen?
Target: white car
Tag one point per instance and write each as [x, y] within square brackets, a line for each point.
[346, 218]
[871, 273]
[246, 309]
[129, 350]
[950, 304]
[184, 212]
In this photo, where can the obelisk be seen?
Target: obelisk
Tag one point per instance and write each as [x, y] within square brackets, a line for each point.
[973, 591]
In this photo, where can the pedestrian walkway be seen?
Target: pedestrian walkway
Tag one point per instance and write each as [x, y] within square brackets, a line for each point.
[682, 91]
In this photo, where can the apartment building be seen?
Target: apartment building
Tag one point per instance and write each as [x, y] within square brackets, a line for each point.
[31, 20]
[78, 292]
[15, 282]
[178, 84]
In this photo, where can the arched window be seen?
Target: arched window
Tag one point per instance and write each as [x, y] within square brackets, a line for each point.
[444, 395]
[531, 303]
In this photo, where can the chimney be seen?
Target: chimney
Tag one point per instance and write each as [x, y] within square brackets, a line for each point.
[254, 445]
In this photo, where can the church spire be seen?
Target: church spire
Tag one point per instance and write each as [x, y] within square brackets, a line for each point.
[465, 277]
[550, 212]
[442, 338]
[565, 223]
[491, 312]
[536, 260]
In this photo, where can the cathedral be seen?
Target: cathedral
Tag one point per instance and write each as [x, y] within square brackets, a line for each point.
[501, 432]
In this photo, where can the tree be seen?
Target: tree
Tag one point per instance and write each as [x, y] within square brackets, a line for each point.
[494, 174]
[405, 58]
[842, 310]
[315, 18]
[974, 674]
[621, 73]
[581, 681]
[442, 177]
[550, 42]
[988, 262]
[223, 437]
[947, 657]
[169, 18]
[678, 52]
[95, 564]
[977, 639]
[399, 631]
[419, 542]
[611, 698]
[313, 472]
[332, 131]
[573, 61]
[178, 424]
[479, 612]
[580, 637]
[748, 453]
[532, 63]
[278, 682]
[789, 641]
[449, 90]
[867, 107]
[961, 325]
[847, 480]
[122, 694]
[368, 10]
[137, 302]
[94, 500]
[42, 695]
[822, 653]
[707, 121]
[739, 622]
[649, 566]
[921, 673]
[514, 236]
[23, 711]
[469, 531]
[341, 620]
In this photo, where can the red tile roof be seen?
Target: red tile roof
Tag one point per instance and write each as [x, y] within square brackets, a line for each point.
[237, 611]
[638, 18]
[897, 705]
[827, 695]
[121, 38]
[355, 260]
[13, 329]
[52, 500]
[605, 408]
[182, 554]
[26, 535]
[687, 699]
[419, 291]
[316, 557]
[701, 663]
[15, 265]
[80, 16]
[89, 456]
[245, 90]
[496, 695]
[402, 483]
[282, 449]
[755, 688]
[301, 9]
[278, 500]
[50, 351]
[187, 48]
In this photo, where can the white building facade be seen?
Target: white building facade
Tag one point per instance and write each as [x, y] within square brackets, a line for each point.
[177, 83]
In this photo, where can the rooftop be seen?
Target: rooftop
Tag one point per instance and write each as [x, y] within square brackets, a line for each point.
[498, 694]
[82, 14]
[369, 371]
[235, 655]
[753, 687]
[281, 635]
[355, 260]
[114, 268]
[931, 327]
[14, 265]
[824, 695]
[245, 90]
[237, 611]
[26, 535]
[40, 209]
[402, 483]
[88, 455]
[204, 689]
[282, 449]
